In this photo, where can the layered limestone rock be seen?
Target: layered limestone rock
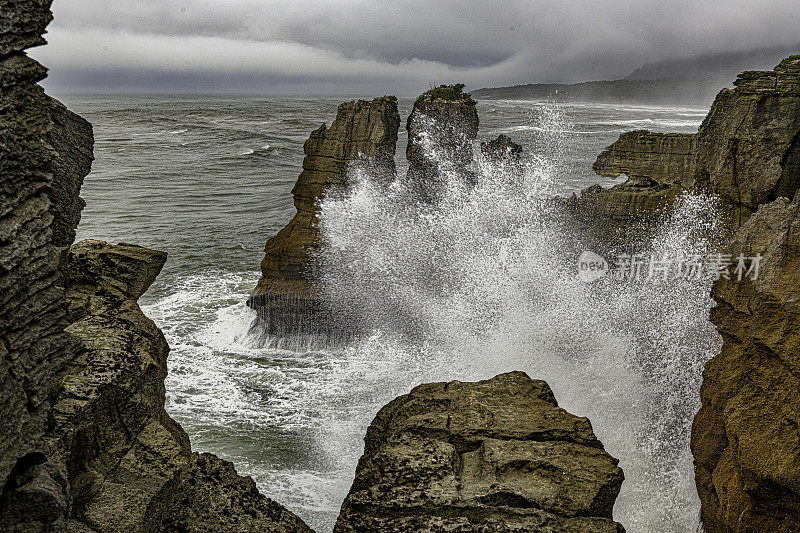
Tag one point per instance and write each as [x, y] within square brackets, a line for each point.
[659, 166]
[442, 128]
[747, 151]
[745, 437]
[748, 147]
[363, 134]
[666, 158]
[496, 455]
[45, 152]
[85, 442]
[127, 466]
[208, 495]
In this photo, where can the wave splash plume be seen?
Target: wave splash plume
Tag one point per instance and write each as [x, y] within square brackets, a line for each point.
[484, 281]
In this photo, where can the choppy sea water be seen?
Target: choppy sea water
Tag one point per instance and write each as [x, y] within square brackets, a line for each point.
[208, 180]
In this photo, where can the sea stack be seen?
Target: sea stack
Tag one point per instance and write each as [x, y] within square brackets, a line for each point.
[494, 455]
[363, 134]
[441, 130]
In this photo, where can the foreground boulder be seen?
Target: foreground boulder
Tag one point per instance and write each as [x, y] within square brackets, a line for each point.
[207, 495]
[363, 134]
[496, 455]
[108, 423]
[745, 436]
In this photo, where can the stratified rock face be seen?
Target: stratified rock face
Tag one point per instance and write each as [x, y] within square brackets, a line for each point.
[22, 24]
[748, 147]
[117, 441]
[747, 151]
[364, 133]
[112, 445]
[666, 158]
[441, 130]
[659, 167]
[45, 151]
[496, 455]
[745, 437]
[207, 495]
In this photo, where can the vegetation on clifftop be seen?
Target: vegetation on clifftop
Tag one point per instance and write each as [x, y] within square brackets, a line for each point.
[448, 93]
[785, 62]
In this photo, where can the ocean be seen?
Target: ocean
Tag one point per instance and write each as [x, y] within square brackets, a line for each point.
[209, 179]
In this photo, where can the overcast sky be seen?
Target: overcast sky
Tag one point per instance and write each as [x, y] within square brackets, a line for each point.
[387, 46]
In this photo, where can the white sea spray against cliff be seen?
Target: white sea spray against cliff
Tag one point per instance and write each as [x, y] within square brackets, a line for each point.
[484, 282]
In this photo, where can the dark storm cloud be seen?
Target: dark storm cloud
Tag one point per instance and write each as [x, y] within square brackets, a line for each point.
[392, 46]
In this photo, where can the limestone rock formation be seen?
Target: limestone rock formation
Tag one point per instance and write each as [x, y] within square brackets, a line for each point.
[364, 133]
[496, 455]
[745, 437]
[666, 158]
[45, 151]
[207, 495]
[112, 445]
[748, 147]
[85, 442]
[747, 151]
[441, 128]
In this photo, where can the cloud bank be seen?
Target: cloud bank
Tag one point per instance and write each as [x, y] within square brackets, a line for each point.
[383, 46]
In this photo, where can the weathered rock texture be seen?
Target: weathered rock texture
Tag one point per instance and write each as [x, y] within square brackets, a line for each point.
[748, 147]
[209, 496]
[85, 442]
[747, 151]
[496, 455]
[45, 151]
[745, 437]
[109, 421]
[363, 134]
[441, 128]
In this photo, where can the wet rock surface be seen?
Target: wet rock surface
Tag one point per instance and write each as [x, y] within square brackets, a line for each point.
[442, 128]
[496, 455]
[745, 436]
[363, 134]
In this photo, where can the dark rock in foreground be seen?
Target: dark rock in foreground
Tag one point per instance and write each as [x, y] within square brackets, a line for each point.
[207, 495]
[745, 437]
[45, 152]
[497, 455]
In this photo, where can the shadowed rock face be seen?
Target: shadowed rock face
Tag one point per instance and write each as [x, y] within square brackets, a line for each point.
[85, 442]
[207, 495]
[496, 455]
[45, 152]
[441, 130]
[745, 437]
[364, 133]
